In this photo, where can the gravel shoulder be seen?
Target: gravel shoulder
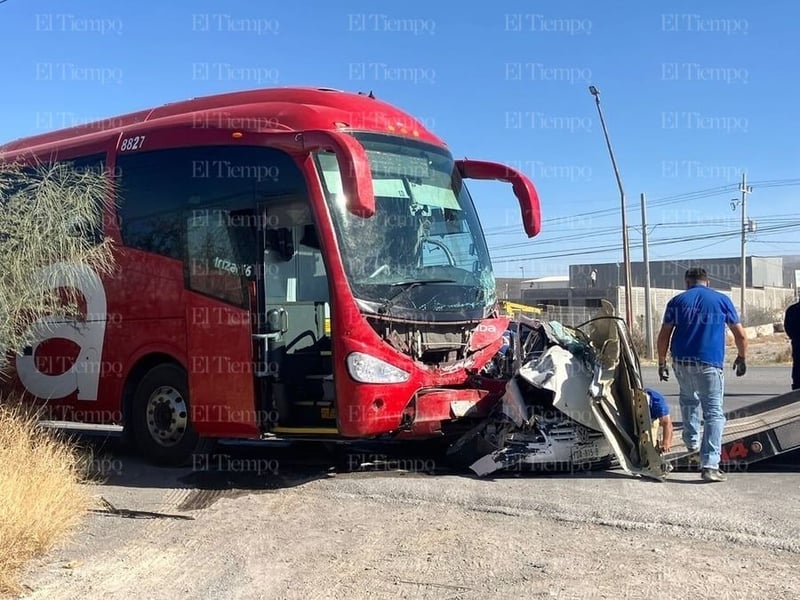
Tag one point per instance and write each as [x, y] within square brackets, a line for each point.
[768, 350]
[394, 535]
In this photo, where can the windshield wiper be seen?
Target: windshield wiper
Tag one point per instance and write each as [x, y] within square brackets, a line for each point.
[406, 286]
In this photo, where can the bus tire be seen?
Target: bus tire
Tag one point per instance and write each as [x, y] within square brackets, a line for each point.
[162, 425]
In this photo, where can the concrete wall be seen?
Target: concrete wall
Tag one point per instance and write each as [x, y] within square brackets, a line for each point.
[760, 302]
[765, 305]
[791, 264]
[767, 299]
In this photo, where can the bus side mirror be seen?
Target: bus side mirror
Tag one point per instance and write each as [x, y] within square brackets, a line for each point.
[523, 187]
[353, 163]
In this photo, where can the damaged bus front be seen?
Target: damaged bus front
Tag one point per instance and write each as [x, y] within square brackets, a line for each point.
[417, 303]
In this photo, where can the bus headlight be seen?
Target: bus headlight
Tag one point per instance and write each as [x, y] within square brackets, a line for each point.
[368, 369]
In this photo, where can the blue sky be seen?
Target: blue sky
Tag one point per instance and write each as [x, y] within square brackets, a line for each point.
[692, 96]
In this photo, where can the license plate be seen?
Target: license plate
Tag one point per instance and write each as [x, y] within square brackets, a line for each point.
[585, 454]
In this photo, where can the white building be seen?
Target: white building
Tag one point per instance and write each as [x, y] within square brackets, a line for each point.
[546, 283]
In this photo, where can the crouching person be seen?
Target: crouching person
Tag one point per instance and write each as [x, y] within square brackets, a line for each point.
[659, 413]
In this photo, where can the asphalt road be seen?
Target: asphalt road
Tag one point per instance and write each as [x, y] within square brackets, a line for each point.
[759, 383]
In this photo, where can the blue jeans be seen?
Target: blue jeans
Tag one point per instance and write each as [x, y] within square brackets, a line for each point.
[701, 390]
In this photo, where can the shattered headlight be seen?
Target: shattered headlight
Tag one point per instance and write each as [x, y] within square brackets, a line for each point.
[368, 369]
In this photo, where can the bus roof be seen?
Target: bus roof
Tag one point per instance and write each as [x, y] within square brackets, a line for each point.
[272, 109]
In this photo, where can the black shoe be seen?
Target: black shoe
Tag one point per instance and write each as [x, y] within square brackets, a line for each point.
[713, 475]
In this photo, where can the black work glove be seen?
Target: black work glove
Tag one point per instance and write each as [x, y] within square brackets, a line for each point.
[663, 372]
[740, 366]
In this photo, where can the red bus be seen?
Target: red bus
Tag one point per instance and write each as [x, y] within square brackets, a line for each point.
[290, 262]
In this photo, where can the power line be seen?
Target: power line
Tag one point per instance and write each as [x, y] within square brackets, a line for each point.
[659, 242]
[658, 202]
[778, 224]
[666, 200]
[612, 231]
[788, 218]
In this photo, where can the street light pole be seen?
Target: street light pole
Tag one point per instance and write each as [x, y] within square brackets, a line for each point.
[625, 247]
[648, 309]
[745, 189]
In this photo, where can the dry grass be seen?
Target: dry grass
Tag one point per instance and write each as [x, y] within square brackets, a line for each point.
[765, 350]
[41, 496]
[784, 355]
[768, 350]
[49, 219]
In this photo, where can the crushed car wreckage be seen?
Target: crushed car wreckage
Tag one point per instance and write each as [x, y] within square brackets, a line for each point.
[574, 399]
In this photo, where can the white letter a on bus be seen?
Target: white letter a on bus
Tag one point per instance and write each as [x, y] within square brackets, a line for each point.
[84, 375]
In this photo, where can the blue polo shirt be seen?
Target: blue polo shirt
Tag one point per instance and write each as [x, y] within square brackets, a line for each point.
[700, 316]
[658, 404]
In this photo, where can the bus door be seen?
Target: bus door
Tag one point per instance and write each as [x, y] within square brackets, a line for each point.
[220, 253]
[299, 367]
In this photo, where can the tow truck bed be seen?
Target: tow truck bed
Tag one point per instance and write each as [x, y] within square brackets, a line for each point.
[752, 434]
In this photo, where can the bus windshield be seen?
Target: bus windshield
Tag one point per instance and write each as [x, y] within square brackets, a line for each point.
[423, 250]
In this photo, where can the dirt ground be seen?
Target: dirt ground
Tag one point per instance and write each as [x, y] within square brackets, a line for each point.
[389, 534]
[264, 529]
[767, 350]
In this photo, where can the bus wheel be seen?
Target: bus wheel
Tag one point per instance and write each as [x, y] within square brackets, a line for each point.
[161, 418]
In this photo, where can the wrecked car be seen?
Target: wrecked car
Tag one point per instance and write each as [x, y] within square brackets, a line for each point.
[574, 399]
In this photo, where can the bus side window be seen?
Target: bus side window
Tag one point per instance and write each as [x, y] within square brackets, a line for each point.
[94, 163]
[293, 260]
[213, 261]
[198, 204]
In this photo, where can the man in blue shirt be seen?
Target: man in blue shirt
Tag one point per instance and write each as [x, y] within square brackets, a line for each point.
[695, 320]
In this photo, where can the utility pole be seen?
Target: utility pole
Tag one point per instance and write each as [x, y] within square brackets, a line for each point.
[745, 190]
[625, 247]
[648, 317]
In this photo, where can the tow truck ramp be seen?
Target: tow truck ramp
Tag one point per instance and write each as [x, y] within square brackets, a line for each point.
[752, 434]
